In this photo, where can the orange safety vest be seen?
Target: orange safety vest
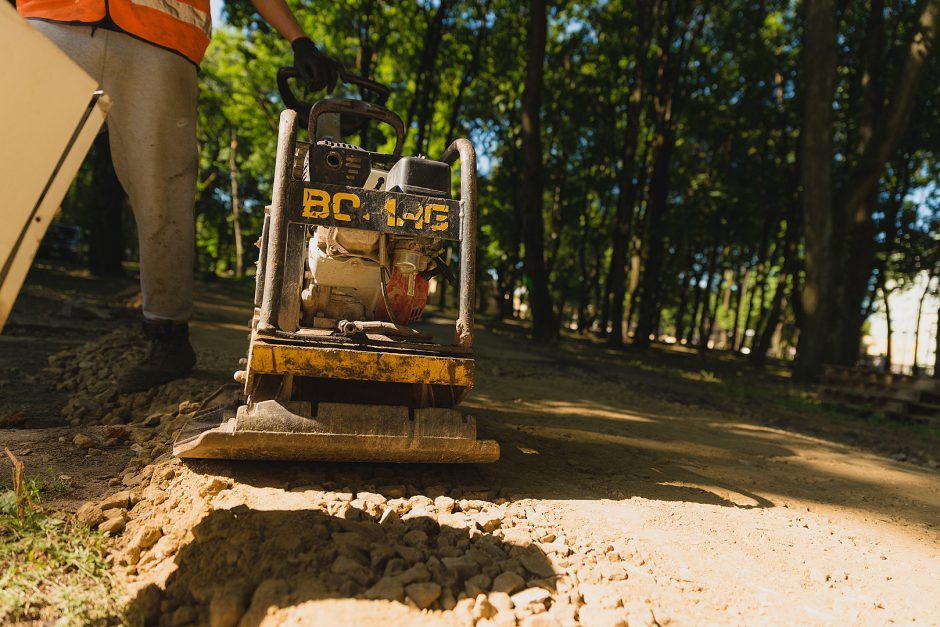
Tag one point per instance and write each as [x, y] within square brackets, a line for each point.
[180, 25]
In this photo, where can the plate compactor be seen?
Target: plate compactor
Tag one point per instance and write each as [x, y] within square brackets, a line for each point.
[350, 241]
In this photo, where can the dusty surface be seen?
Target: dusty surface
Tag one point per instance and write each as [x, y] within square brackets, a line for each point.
[626, 494]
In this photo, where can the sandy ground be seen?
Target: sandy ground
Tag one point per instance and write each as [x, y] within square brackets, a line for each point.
[624, 495]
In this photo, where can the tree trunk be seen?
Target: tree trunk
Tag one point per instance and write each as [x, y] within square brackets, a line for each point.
[649, 313]
[786, 287]
[468, 75]
[626, 199]
[820, 57]
[420, 104]
[696, 306]
[704, 327]
[743, 280]
[236, 210]
[543, 322]
[679, 326]
[920, 310]
[106, 232]
[883, 128]
[936, 357]
[889, 357]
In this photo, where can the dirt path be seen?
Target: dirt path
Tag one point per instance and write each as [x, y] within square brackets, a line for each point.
[625, 494]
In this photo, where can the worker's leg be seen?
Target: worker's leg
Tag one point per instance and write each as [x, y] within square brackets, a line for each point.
[152, 128]
[80, 43]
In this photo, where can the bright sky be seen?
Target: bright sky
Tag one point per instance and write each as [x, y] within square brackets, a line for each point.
[903, 324]
[215, 7]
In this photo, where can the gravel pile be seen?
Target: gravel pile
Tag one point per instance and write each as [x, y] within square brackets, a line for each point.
[90, 371]
[267, 544]
[228, 544]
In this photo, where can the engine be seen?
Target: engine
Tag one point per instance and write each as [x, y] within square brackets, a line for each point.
[358, 275]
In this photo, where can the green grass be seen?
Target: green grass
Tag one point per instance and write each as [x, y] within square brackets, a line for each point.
[52, 570]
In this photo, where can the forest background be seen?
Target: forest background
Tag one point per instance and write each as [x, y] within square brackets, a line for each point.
[749, 176]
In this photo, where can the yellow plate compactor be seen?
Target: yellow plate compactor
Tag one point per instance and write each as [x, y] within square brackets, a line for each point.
[350, 241]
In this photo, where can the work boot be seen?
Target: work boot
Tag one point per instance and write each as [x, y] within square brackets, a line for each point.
[171, 356]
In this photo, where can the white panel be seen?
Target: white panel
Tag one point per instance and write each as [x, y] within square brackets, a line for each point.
[46, 128]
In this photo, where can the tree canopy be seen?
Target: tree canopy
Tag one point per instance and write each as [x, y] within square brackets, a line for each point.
[743, 175]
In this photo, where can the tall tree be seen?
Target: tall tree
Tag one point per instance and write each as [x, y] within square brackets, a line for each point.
[820, 58]
[531, 190]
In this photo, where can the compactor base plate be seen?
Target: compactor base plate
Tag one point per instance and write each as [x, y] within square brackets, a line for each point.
[226, 428]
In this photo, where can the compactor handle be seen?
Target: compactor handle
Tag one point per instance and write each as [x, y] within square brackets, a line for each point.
[357, 109]
[291, 101]
[352, 109]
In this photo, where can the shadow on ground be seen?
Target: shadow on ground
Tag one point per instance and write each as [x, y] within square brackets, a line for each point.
[244, 563]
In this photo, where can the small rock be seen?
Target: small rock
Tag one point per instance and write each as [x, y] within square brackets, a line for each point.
[420, 517]
[501, 601]
[90, 515]
[408, 553]
[113, 525]
[476, 585]
[415, 538]
[444, 504]
[423, 594]
[393, 491]
[83, 441]
[638, 613]
[389, 517]
[463, 566]
[614, 572]
[394, 567]
[530, 597]
[380, 555]
[508, 582]
[146, 603]
[371, 497]
[215, 485]
[146, 537]
[599, 595]
[387, 588]
[488, 521]
[434, 491]
[183, 615]
[418, 572]
[540, 620]
[165, 547]
[590, 616]
[463, 612]
[483, 609]
[116, 500]
[447, 602]
[227, 606]
[351, 539]
[534, 561]
[355, 571]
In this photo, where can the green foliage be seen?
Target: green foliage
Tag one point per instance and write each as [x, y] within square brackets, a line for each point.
[52, 570]
[720, 84]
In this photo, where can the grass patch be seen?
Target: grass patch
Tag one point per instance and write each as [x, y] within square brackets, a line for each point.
[52, 570]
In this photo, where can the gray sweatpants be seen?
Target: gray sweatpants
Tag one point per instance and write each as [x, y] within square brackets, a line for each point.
[152, 134]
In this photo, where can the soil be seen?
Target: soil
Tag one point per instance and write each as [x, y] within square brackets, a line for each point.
[636, 488]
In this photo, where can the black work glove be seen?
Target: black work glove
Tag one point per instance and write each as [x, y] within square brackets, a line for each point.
[316, 69]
